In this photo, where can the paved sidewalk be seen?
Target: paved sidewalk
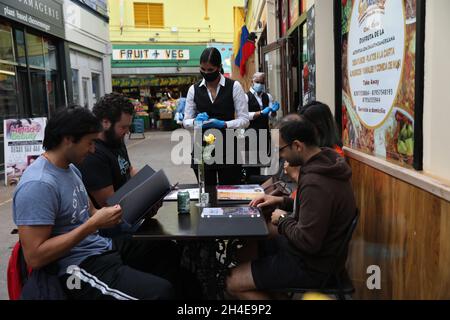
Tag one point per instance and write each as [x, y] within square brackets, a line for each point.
[155, 151]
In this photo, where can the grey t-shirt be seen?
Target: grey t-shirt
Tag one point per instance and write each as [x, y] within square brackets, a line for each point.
[48, 195]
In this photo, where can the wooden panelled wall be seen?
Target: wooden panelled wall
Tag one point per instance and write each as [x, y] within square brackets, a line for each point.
[406, 232]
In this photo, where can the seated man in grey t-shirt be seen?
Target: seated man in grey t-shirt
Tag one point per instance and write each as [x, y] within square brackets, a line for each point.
[57, 223]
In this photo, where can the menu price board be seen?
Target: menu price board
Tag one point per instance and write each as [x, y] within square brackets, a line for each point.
[378, 68]
[23, 145]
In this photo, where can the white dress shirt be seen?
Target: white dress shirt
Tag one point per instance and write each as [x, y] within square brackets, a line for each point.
[259, 99]
[242, 120]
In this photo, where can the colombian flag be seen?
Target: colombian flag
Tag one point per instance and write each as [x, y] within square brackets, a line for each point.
[244, 42]
[243, 39]
[246, 50]
[239, 22]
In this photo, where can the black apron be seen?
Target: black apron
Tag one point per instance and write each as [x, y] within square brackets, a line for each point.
[261, 123]
[221, 109]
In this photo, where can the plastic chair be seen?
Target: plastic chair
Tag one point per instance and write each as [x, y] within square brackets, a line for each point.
[337, 282]
[137, 127]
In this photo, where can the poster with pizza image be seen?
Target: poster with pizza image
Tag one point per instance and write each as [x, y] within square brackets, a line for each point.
[378, 70]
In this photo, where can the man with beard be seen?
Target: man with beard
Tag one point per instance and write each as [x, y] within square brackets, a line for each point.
[109, 168]
[59, 229]
[302, 248]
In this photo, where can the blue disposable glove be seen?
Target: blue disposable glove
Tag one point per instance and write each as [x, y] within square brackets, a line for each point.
[181, 105]
[266, 111]
[180, 116]
[275, 107]
[214, 124]
[202, 117]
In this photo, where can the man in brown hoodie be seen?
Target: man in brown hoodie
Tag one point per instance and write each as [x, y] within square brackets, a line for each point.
[307, 232]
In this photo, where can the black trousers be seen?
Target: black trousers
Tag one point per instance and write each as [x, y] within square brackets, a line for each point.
[256, 171]
[222, 176]
[278, 268]
[133, 270]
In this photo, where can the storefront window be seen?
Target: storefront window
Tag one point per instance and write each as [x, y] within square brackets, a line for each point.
[6, 43]
[30, 83]
[23, 91]
[85, 83]
[8, 97]
[8, 92]
[52, 80]
[273, 70]
[95, 87]
[38, 93]
[50, 55]
[76, 87]
[20, 43]
[35, 48]
[52, 75]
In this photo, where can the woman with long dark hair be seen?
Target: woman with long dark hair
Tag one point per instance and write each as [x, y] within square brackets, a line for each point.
[319, 114]
[219, 103]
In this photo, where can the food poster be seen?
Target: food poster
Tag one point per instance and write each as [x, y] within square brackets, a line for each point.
[23, 145]
[294, 11]
[378, 68]
[284, 8]
[309, 65]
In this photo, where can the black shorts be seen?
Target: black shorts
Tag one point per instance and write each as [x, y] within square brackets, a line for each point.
[133, 270]
[278, 268]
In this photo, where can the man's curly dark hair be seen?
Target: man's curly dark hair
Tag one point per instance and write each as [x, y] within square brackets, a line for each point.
[111, 106]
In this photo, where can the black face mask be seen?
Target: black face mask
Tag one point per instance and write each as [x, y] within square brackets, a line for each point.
[210, 77]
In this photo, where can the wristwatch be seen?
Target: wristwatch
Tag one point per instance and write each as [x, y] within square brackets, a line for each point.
[283, 216]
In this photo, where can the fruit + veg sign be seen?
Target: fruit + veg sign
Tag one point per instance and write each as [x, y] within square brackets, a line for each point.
[379, 62]
[150, 54]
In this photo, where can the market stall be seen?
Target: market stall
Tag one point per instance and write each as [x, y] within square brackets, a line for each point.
[141, 112]
[165, 112]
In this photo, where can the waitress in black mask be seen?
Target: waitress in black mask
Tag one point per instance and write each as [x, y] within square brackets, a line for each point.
[220, 103]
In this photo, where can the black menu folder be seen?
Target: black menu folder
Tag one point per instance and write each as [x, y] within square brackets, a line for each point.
[131, 184]
[137, 198]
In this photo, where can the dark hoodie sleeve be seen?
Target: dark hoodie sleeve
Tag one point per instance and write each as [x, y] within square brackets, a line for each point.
[288, 204]
[308, 233]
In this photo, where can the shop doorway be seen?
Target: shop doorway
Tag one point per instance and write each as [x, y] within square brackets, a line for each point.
[23, 91]
[95, 87]
[85, 86]
[275, 75]
[38, 93]
[30, 76]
